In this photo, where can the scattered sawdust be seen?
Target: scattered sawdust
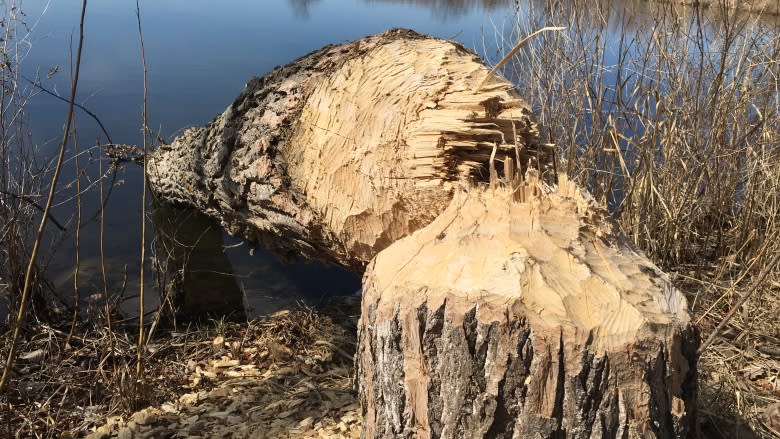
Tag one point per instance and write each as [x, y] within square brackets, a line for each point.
[289, 374]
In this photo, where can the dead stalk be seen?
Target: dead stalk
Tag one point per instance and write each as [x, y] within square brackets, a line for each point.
[141, 342]
[512, 53]
[757, 283]
[77, 262]
[101, 245]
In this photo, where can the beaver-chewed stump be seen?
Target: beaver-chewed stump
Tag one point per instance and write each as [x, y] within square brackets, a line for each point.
[518, 313]
[496, 303]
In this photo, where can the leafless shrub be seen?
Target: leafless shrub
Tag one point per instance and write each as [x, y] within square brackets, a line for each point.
[21, 173]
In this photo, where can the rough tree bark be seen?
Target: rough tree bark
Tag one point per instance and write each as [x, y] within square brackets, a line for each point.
[495, 304]
[520, 313]
[349, 148]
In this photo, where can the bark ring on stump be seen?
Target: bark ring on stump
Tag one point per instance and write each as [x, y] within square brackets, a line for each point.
[495, 304]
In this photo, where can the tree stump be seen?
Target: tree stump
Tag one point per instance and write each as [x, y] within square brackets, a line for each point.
[520, 313]
[347, 149]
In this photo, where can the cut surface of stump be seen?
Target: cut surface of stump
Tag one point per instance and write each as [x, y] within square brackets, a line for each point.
[347, 149]
[520, 313]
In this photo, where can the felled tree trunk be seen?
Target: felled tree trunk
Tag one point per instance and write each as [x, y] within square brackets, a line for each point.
[519, 313]
[349, 148]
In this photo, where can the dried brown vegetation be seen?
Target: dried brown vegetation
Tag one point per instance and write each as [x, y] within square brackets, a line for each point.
[22, 174]
[669, 116]
[291, 366]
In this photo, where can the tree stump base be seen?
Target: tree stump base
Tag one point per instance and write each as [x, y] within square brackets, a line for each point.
[519, 313]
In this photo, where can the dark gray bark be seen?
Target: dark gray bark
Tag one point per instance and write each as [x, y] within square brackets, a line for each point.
[592, 400]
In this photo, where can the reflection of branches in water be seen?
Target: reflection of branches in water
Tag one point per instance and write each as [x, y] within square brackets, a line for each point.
[445, 9]
[301, 7]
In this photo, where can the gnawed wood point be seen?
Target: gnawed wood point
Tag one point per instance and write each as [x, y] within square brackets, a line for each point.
[347, 149]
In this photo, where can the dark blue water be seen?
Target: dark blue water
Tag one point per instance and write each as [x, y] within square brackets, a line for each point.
[199, 55]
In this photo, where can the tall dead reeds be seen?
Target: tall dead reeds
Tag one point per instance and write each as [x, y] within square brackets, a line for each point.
[21, 173]
[670, 116]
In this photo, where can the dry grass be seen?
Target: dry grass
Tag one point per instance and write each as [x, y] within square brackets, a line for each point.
[22, 174]
[670, 117]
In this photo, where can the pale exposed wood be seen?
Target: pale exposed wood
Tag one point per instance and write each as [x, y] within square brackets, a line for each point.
[507, 318]
[348, 149]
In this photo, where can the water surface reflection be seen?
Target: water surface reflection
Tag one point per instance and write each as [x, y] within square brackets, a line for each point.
[447, 9]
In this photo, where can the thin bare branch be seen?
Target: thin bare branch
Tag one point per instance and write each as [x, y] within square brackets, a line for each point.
[141, 299]
[512, 52]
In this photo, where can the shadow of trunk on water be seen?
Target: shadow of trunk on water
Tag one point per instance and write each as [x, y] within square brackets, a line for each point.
[195, 272]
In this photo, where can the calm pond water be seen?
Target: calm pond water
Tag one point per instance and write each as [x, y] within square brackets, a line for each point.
[199, 54]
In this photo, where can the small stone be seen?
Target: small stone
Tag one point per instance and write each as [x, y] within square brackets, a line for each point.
[144, 417]
[234, 420]
[103, 432]
[158, 432]
[189, 398]
[306, 423]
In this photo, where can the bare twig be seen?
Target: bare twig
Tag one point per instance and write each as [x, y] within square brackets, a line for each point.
[77, 262]
[101, 245]
[511, 53]
[20, 317]
[39, 86]
[28, 200]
